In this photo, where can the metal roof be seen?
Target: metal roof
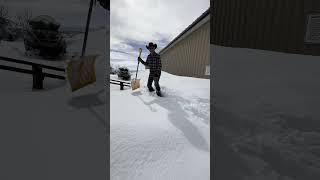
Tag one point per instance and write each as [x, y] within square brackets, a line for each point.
[200, 18]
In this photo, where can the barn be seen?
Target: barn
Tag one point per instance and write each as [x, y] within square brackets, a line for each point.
[189, 53]
[290, 26]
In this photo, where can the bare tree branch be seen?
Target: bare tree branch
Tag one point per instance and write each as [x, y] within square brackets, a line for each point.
[4, 12]
[23, 18]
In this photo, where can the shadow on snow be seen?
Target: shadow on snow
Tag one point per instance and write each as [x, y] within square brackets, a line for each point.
[178, 116]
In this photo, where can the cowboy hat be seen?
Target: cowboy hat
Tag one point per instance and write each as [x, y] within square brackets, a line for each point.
[151, 45]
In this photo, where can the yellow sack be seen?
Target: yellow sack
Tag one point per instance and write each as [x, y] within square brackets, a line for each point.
[81, 72]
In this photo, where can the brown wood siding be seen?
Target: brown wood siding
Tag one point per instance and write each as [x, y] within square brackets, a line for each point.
[277, 25]
[189, 56]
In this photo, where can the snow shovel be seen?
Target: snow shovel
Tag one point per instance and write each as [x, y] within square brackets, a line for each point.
[135, 83]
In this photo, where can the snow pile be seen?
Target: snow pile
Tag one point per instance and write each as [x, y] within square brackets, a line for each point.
[53, 133]
[266, 111]
[161, 138]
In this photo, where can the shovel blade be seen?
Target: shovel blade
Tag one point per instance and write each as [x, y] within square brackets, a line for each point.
[135, 84]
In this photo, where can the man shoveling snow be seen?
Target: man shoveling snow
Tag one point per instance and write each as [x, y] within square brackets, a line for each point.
[154, 63]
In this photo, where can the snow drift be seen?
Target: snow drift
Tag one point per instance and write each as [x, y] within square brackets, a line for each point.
[53, 133]
[160, 138]
[266, 114]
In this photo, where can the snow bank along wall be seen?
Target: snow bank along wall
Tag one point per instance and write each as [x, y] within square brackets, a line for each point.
[253, 84]
[189, 53]
[268, 24]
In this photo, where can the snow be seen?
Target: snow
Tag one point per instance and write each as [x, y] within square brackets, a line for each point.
[56, 134]
[160, 138]
[45, 19]
[266, 114]
[53, 133]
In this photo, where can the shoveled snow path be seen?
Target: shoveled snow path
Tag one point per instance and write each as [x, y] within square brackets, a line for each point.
[161, 138]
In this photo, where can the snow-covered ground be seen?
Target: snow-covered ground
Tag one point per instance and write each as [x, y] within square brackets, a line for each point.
[266, 115]
[161, 138]
[53, 133]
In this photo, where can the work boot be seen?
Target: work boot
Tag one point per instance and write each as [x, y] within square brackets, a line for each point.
[150, 89]
[159, 93]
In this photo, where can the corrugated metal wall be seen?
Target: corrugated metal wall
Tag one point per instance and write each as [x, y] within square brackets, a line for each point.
[277, 25]
[190, 56]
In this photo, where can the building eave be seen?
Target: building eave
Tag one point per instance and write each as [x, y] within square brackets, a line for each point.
[204, 15]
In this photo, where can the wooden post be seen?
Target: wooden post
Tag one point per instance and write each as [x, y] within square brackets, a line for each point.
[37, 77]
[121, 85]
[87, 29]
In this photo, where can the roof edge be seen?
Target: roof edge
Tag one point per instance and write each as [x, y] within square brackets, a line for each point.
[200, 18]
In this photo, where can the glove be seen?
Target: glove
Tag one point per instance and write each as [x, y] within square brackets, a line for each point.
[139, 59]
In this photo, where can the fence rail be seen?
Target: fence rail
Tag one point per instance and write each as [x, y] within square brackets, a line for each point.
[36, 71]
[121, 83]
[31, 63]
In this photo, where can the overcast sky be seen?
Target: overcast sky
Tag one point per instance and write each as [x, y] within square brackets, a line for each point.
[133, 23]
[67, 12]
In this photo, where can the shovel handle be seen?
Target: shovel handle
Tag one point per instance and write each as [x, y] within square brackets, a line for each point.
[140, 50]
